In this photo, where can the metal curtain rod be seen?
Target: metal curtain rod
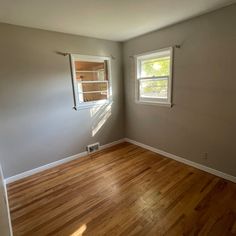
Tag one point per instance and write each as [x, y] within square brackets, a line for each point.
[67, 54]
[178, 46]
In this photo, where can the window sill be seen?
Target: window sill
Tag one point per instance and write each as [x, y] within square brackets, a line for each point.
[89, 105]
[162, 104]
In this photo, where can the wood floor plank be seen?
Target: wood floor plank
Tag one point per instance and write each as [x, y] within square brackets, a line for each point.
[123, 190]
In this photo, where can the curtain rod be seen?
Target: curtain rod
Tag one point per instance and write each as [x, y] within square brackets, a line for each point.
[67, 54]
[178, 46]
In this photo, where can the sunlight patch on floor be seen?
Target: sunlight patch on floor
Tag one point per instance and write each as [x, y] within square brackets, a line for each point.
[80, 231]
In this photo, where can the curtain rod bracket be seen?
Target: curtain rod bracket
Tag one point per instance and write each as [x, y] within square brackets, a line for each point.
[62, 53]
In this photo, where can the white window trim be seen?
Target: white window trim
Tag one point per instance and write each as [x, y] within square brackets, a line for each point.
[86, 105]
[154, 101]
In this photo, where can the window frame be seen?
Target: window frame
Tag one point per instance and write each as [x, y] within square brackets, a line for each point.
[153, 101]
[86, 105]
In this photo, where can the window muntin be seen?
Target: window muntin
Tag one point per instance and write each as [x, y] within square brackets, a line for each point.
[153, 80]
[91, 80]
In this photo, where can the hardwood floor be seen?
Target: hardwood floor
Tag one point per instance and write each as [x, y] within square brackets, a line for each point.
[123, 190]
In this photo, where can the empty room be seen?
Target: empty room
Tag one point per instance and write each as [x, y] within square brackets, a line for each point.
[117, 117]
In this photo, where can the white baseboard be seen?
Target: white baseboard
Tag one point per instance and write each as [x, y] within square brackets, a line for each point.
[185, 161]
[166, 154]
[56, 163]
[112, 144]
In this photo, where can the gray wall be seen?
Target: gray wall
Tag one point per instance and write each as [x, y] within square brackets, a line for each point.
[203, 118]
[5, 227]
[37, 123]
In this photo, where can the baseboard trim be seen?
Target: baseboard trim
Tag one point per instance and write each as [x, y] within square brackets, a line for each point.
[185, 161]
[56, 163]
[161, 152]
[112, 144]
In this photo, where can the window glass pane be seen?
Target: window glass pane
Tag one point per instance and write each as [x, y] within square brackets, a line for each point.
[92, 80]
[93, 96]
[155, 67]
[90, 71]
[153, 88]
[92, 86]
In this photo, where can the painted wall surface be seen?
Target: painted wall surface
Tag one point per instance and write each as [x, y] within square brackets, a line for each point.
[39, 126]
[37, 122]
[203, 118]
[4, 220]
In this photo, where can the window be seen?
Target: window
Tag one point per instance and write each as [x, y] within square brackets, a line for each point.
[90, 80]
[154, 77]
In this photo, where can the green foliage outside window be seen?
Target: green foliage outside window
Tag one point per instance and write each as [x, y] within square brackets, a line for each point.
[155, 68]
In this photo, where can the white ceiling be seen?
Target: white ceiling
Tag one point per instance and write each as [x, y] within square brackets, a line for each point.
[117, 20]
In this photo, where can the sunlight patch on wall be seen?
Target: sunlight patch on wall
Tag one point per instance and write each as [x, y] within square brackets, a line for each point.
[95, 110]
[100, 117]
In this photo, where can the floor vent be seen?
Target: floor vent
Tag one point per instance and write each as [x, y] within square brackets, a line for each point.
[93, 147]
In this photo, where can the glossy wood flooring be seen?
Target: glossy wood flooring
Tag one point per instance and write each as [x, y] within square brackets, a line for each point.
[123, 190]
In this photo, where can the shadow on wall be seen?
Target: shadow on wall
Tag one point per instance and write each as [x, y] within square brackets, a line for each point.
[100, 115]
